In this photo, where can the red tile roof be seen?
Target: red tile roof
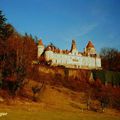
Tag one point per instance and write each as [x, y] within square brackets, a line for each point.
[40, 42]
[90, 45]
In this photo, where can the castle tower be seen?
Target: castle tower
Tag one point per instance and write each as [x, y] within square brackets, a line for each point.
[40, 48]
[74, 50]
[90, 49]
[48, 53]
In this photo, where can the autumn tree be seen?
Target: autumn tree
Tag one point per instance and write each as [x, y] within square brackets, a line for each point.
[21, 53]
[6, 30]
[110, 59]
[16, 55]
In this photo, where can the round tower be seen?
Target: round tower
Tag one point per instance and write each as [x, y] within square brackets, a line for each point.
[48, 53]
[40, 48]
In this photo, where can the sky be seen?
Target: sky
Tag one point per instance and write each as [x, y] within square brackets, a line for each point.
[60, 21]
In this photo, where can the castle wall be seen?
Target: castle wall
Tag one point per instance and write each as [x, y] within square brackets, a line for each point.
[73, 61]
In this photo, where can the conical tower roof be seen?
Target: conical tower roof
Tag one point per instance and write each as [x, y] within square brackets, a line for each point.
[90, 45]
[40, 42]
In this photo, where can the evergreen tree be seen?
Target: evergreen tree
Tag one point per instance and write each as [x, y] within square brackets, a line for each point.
[6, 29]
[2, 24]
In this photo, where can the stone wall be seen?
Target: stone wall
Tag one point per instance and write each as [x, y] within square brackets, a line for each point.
[65, 72]
[47, 73]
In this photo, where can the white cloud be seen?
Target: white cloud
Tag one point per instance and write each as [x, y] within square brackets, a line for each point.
[86, 29]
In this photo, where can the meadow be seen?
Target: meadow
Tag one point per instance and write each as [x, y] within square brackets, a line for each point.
[38, 112]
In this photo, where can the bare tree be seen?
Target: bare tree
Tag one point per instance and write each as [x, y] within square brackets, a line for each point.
[110, 59]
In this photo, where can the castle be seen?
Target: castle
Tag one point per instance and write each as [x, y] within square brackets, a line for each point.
[88, 59]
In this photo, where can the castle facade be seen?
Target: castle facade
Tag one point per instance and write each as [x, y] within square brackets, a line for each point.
[88, 59]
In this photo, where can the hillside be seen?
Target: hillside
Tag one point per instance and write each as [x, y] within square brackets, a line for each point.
[53, 103]
[75, 79]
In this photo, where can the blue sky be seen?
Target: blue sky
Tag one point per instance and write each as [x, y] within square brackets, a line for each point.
[60, 21]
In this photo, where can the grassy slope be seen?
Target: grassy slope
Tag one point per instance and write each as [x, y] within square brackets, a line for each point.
[22, 114]
[55, 103]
